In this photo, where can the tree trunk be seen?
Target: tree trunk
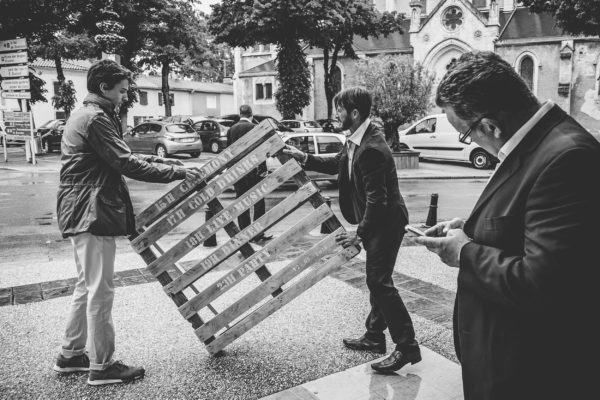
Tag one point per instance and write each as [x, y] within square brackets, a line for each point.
[165, 87]
[60, 75]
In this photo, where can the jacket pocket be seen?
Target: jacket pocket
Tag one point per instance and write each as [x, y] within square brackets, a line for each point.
[505, 232]
[111, 217]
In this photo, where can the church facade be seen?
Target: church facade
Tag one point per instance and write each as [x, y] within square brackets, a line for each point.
[556, 66]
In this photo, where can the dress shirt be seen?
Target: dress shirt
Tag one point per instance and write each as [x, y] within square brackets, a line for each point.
[354, 141]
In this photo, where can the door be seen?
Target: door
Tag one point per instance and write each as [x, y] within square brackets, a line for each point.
[135, 137]
[448, 146]
[207, 131]
[423, 137]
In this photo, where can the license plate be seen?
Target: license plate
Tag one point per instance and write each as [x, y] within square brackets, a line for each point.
[187, 140]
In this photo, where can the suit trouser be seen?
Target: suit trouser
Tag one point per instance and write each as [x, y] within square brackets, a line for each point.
[241, 187]
[387, 308]
[89, 324]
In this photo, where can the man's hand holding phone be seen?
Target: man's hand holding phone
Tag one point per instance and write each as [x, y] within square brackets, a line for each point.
[446, 239]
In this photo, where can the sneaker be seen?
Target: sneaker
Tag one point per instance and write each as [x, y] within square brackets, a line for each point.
[117, 372]
[79, 363]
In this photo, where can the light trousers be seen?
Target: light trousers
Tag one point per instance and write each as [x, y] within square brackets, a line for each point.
[89, 323]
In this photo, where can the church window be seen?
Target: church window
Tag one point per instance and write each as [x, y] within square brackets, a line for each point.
[526, 71]
[452, 18]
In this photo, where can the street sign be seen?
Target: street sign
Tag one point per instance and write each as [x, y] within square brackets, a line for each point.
[15, 84]
[16, 95]
[17, 123]
[15, 71]
[13, 58]
[13, 44]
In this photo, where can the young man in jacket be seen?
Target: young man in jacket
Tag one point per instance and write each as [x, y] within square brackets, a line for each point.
[93, 207]
[370, 197]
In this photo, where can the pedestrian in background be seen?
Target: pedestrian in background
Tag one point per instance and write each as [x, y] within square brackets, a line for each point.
[93, 208]
[526, 307]
[241, 128]
[369, 196]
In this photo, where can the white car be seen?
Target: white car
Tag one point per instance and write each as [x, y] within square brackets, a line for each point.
[434, 137]
[320, 144]
[298, 125]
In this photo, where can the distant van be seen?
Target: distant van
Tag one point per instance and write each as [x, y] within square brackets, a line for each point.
[435, 138]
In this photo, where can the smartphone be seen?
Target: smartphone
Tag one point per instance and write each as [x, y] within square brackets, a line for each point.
[414, 230]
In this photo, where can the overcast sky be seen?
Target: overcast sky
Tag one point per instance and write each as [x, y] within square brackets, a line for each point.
[205, 5]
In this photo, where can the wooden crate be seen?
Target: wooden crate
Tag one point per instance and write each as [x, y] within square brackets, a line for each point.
[189, 197]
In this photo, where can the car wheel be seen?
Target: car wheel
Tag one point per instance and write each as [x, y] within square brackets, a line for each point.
[215, 147]
[480, 159]
[161, 151]
[195, 154]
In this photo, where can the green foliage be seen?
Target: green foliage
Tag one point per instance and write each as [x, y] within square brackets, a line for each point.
[65, 98]
[401, 91]
[37, 89]
[578, 17]
[294, 79]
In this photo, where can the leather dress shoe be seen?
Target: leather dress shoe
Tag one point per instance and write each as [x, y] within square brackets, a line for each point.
[397, 360]
[362, 343]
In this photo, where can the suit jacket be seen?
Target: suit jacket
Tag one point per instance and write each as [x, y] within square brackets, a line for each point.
[527, 298]
[371, 198]
[235, 133]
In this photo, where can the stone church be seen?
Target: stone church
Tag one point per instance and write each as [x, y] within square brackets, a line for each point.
[556, 66]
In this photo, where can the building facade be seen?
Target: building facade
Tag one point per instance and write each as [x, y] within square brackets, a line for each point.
[187, 97]
[557, 66]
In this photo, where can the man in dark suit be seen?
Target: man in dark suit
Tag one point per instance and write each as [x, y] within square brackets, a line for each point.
[369, 196]
[242, 127]
[526, 305]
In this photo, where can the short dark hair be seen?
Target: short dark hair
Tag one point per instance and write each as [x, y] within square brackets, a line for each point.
[245, 111]
[354, 98]
[108, 72]
[482, 83]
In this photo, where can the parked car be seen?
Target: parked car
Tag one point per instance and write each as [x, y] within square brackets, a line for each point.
[213, 133]
[258, 118]
[320, 143]
[51, 134]
[183, 119]
[164, 138]
[298, 125]
[435, 138]
[330, 125]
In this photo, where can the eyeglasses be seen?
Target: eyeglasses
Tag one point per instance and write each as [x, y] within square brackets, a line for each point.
[466, 137]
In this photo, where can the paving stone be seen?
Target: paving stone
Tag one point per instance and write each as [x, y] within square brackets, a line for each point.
[407, 296]
[118, 283]
[58, 292]
[27, 297]
[444, 319]
[134, 280]
[5, 301]
[420, 304]
[435, 312]
[358, 282]
[60, 283]
[411, 284]
[400, 278]
[6, 292]
[34, 287]
[435, 293]
[128, 273]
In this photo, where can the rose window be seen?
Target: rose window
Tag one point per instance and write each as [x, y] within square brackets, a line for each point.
[453, 18]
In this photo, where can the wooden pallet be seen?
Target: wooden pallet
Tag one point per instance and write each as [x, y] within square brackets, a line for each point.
[189, 197]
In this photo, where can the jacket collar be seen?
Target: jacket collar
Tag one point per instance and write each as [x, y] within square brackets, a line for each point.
[515, 159]
[102, 102]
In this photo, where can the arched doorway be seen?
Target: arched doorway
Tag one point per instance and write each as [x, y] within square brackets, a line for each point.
[442, 56]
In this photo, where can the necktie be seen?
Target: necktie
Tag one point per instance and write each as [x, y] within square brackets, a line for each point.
[351, 148]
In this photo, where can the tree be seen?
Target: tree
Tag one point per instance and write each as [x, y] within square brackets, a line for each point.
[286, 23]
[177, 36]
[335, 32]
[578, 17]
[401, 91]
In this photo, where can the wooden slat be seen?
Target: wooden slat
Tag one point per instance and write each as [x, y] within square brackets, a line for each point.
[253, 297]
[277, 302]
[257, 260]
[231, 154]
[195, 202]
[222, 253]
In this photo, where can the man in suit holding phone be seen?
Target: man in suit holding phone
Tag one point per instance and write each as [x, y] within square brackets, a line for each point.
[526, 304]
[369, 196]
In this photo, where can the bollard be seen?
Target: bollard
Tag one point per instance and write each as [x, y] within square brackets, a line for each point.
[324, 228]
[211, 241]
[432, 215]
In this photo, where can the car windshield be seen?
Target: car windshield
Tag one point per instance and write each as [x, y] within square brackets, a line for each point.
[48, 124]
[311, 124]
[180, 128]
